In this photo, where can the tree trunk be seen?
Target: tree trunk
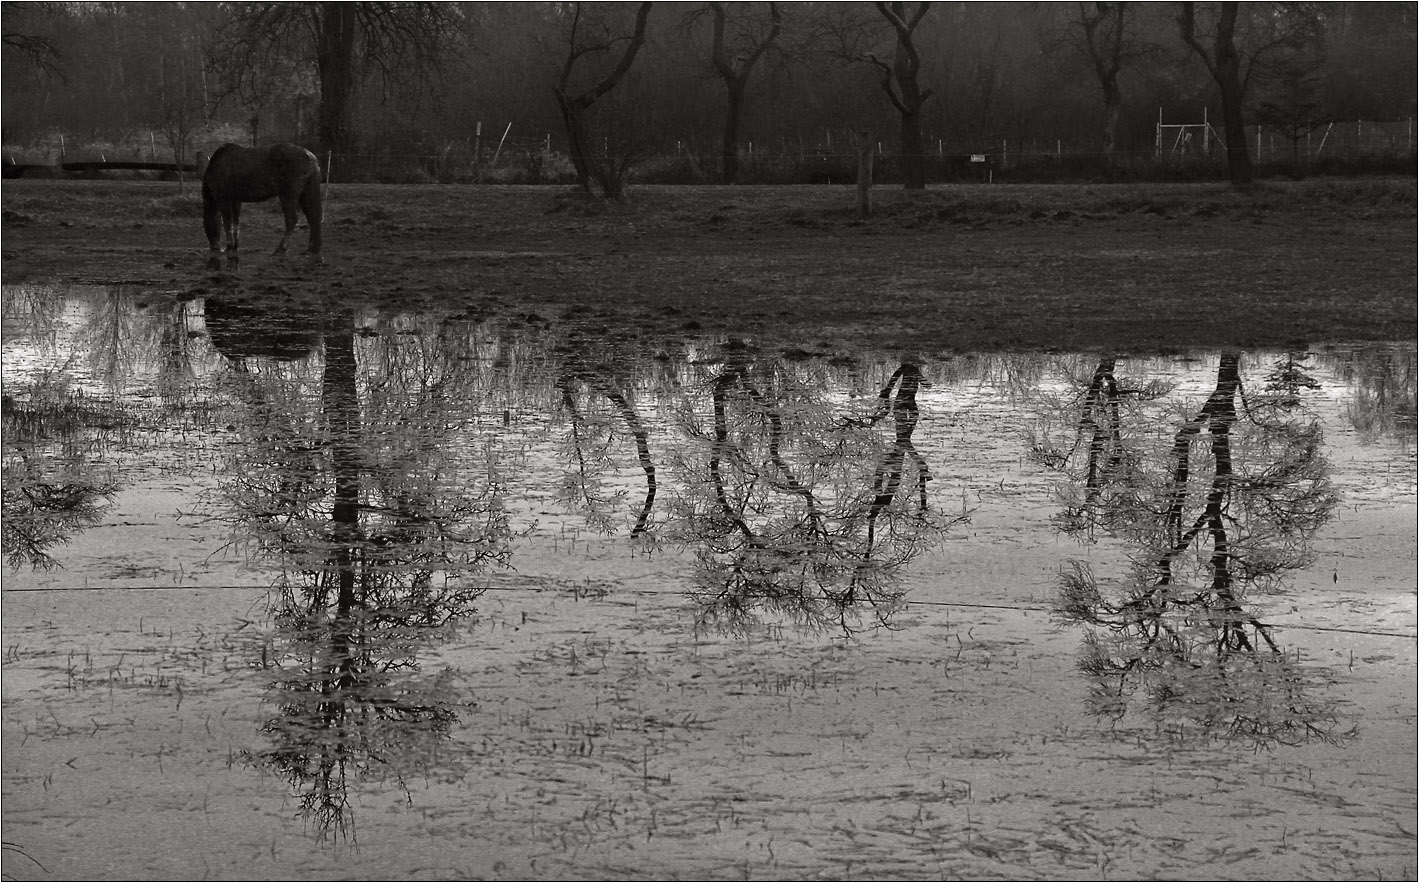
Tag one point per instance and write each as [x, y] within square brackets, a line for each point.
[574, 108]
[1225, 65]
[340, 400]
[1112, 100]
[335, 62]
[575, 124]
[914, 166]
[1234, 127]
[729, 143]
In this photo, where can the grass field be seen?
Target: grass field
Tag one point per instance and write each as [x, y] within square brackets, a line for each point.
[1126, 267]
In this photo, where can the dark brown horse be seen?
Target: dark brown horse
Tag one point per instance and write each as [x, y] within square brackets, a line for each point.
[237, 175]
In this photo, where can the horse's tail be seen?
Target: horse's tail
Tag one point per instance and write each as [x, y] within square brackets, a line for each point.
[211, 216]
[311, 203]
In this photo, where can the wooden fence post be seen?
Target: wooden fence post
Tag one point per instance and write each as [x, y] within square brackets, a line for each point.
[865, 174]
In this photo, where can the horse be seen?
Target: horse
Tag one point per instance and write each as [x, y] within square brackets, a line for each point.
[237, 175]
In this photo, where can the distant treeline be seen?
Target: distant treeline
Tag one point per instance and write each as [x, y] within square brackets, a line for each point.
[753, 92]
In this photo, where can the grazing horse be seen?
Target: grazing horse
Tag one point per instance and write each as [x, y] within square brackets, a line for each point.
[237, 175]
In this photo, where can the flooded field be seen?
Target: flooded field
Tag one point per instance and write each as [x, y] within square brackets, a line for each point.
[328, 592]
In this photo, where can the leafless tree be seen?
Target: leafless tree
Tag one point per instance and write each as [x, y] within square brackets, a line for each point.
[738, 41]
[855, 37]
[1245, 44]
[1220, 54]
[20, 30]
[399, 42]
[1104, 33]
[590, 34]
[793, 511]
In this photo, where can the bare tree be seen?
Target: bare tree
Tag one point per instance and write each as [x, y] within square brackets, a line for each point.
[899, 81]
[857, 38]
[398, 41]
[751, 40]
[1102, 28]
[20, 31]
[1244, 44]
[587, 36]
[1225, 64]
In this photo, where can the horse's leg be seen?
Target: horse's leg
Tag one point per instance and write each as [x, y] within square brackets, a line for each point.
[229, 225]
[311, 205]
[211, 219]
[292, 211]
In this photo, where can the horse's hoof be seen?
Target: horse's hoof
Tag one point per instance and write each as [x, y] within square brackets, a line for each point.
[214, 261]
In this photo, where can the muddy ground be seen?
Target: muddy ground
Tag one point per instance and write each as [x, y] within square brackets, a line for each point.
[1131, 267]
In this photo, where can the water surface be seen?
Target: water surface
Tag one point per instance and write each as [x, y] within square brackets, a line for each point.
[491, 596]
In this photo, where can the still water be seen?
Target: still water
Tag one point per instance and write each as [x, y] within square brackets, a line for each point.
[313, 592]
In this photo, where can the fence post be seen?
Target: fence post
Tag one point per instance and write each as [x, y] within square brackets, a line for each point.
[478, 143]
[1323, 140]
[1259, 143]
[494, 161]
[1003, 153]
[865, 174]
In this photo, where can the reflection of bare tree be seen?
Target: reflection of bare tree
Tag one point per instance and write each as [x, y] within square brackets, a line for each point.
[1383, 382]
[366, 488]
[52, 487]
[33, 311]
[1228, 507]
[592, 434]
[794, 512]
[1110, 462]
[352, 707]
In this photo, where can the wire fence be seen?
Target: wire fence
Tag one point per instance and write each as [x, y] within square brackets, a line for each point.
[1189, 148]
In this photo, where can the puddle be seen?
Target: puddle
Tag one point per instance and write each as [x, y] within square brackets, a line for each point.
[534, 597]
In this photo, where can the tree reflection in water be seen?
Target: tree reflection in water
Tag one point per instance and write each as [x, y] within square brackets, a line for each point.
[1223, 507]
[1383, 384]
[590, 379]
[792, 511]
[52, 485]
[379, 505]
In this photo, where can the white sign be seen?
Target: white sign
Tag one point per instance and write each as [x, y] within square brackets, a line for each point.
[978, 158]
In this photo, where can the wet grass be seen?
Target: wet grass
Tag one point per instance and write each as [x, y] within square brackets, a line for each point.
[1133, 267]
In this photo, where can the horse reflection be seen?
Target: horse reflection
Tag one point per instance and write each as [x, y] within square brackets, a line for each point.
[240, 331]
